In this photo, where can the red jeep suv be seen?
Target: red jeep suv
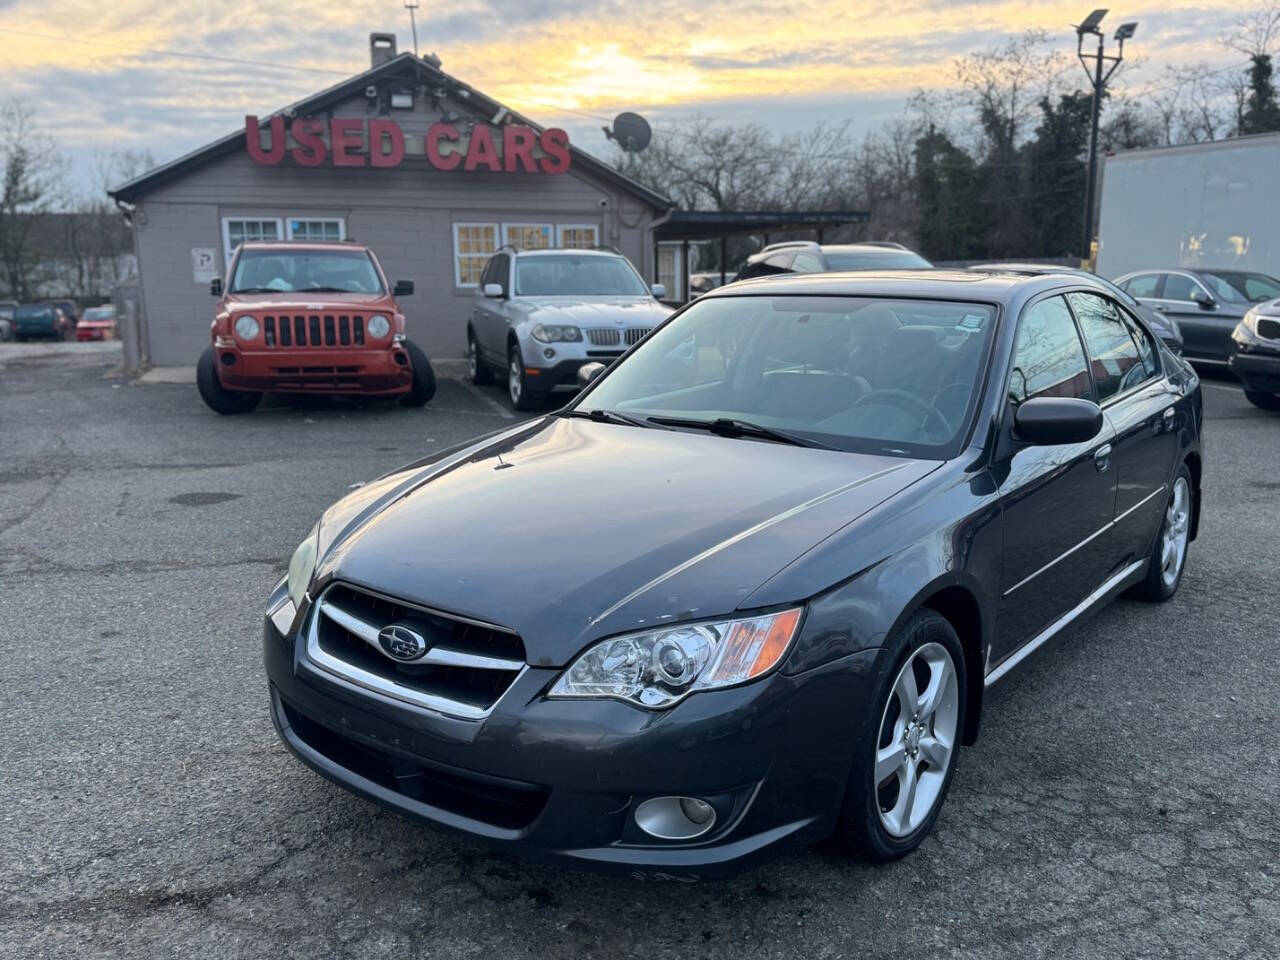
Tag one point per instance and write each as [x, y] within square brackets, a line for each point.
[309, 318]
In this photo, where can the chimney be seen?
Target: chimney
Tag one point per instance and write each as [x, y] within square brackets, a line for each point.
[382, 47]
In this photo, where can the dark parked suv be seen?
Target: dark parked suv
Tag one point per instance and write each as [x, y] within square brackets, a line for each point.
[803, 256]
[827, 513]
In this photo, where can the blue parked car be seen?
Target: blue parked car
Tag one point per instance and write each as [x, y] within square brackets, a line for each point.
[40, 320]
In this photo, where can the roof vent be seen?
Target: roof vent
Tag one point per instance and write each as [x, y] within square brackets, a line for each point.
[382, 47]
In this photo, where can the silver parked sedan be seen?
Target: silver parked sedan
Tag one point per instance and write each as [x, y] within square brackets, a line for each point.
[539, 315]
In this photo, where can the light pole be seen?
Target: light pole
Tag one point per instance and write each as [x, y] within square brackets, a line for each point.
[412, 5]
[1098, 81]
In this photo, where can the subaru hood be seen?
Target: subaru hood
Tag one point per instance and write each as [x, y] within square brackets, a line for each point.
[566, 530]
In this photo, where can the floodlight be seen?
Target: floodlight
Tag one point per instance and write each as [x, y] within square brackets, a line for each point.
[1090, 24]
[1126, 31]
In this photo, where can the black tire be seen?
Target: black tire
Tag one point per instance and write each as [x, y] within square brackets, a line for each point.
[478, 372]
[862, 829]
[424, 378]
[215, 395]
[1157, 586]
[517, 383]
[1264, 401]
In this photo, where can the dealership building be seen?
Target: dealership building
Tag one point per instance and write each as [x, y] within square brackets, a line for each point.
[432, 174]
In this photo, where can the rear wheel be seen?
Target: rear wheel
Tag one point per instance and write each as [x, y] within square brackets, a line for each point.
[478, 371]
[1169, 555]
[1266, 401]
[903, 764]
[424, 378]
[217, 397]
[517, 382]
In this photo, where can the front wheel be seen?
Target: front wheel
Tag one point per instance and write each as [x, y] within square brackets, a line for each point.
[478, 371]
[217, 397]
[518, 383]
[424, 378]
[1169, 555]
[1264, 401]
[903, 764]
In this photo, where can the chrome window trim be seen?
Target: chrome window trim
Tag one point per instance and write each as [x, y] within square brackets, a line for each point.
[1089, 539]
[1040, 639]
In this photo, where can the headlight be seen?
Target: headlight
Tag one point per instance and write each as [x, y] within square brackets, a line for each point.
[1250, 321]
[658, 668]
[555, 333]
[302, 566]
[246, 327]
[379, 326]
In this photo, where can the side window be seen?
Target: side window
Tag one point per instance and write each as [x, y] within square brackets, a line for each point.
[1178, 287]
[1143, 285]
[499, 271]
[1113, 356]
[1048, 360]
[1146, 346]
[806, 263]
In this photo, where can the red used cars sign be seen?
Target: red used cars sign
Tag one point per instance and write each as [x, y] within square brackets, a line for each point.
[378, 142]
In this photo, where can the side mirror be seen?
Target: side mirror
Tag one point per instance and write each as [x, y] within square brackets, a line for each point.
[588, 372]
[402, 288]
[1206, 302]
[215, 286]
[659, 290]
[1045, 421]
[494, 291]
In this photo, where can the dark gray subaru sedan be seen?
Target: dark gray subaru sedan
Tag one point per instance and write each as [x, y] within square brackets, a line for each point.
[749, 588]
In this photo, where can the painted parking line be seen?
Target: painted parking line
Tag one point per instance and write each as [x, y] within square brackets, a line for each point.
[489, 402]
[1234, 388]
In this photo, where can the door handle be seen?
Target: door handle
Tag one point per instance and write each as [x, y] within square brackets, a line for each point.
[1168, 413]
[1102, 457]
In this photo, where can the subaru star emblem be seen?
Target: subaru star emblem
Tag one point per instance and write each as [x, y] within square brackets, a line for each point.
[400, 643]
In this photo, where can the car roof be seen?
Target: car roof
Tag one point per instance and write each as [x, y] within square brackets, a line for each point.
[544, 251]
[1025, 268]
[864, 248]
[285, 245]
[925, 284]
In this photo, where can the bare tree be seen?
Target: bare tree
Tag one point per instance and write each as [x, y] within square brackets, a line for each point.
[1255, 33]
[31, 178]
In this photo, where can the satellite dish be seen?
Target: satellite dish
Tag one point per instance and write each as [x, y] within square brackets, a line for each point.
[631, 130]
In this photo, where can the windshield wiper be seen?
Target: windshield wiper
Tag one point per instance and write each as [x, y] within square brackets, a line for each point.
[259, 290]
[730, 427]
[328, 290]
[607, 416]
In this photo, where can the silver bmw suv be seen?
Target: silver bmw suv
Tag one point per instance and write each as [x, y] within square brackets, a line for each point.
[539, 315]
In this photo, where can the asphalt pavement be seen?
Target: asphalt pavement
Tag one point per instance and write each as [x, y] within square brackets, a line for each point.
[1124, 800]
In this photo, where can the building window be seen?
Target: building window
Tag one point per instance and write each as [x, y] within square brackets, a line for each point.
[329, 230]
[473, 245]
[528, 236]
[669, 273]
[237, 231]
[581, 236]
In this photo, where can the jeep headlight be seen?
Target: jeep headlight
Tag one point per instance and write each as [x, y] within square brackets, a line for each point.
[302, 566]
[659, 668]
[379, 326]
[247, 327]
[555, 333]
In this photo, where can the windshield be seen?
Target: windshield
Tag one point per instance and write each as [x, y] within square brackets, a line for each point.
[571, 275]
[303, 271]
[1237, 287]
[856, 373]
[99, 313]
[877, 260]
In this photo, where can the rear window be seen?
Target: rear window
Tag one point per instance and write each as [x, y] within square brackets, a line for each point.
[34, 312]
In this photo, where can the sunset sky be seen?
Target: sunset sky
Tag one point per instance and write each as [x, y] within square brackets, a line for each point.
[107, 74]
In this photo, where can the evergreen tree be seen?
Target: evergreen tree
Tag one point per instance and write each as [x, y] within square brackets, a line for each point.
[1262, 110]
[1057, 175]
[953, 224]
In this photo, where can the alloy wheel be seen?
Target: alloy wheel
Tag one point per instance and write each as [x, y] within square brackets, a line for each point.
[515, 378]
[473, 361]
[917, 739]
[1175, 533]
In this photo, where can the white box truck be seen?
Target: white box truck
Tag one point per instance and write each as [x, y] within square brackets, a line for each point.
[1200, 206]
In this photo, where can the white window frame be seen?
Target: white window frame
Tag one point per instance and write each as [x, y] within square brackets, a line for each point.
[508, 227]
[677, 289]
[340, 221]
[227, 250]
[562, 227]
[457, 254]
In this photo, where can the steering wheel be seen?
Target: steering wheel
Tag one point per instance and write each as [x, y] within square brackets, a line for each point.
[911, 404]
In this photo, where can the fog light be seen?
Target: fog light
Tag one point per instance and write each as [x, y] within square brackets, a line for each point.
[548, 353]
[675, 818]
[401, 359]
[228, 359]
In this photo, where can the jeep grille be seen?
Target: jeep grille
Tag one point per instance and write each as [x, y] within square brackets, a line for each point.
[313, 330]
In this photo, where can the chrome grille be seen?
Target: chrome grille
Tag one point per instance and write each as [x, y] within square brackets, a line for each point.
[637, 334]
[1269, 328]
[467, 668]
[603, 336]
[313, 330]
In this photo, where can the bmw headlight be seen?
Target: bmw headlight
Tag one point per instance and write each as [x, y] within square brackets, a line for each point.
[658, 668]
[247, 327]
[379, 326]
[302, 566]
[555, 333]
